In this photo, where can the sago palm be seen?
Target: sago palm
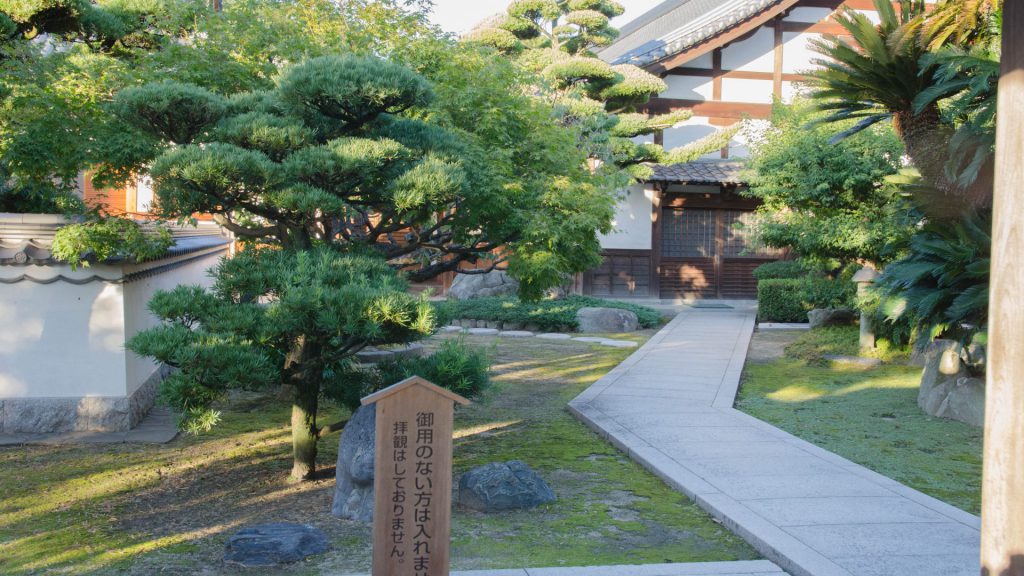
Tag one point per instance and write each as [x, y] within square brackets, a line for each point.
[876, 75]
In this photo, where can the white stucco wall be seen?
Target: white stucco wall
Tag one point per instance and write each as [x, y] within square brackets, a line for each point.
[753, 54]
[137, 316]
[632, 221]
[61, 339]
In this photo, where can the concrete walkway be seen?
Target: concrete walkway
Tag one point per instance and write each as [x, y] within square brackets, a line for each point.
[669, 406]
[738, 568]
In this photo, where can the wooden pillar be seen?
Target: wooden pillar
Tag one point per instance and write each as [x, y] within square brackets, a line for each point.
[1002, 501]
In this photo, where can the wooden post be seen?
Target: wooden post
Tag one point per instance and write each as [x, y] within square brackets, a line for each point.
[1002, 500]
[412, 478]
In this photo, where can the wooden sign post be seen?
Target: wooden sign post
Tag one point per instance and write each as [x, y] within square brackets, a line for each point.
[412, 478]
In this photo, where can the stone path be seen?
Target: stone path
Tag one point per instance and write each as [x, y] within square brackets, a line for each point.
[669, 406]
[740, 568]
[545, 335]
[157, 427]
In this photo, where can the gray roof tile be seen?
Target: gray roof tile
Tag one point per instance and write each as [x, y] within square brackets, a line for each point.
[677, 25]
[699, 172]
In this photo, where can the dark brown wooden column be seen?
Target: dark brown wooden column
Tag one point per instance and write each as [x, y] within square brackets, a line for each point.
[1002, 501]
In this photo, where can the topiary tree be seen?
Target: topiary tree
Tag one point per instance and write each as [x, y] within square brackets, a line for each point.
[555, 39]
[279, 317]
[337, 182]
[829, 201]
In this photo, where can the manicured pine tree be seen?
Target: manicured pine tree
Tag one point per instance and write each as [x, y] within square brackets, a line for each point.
[556, 39]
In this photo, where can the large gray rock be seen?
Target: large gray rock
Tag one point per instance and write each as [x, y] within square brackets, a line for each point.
[830, 317]
[353, 490]
[503, 486]
[966, 401]
[946, 389]
[942, 367]
[271, 544]
[606, 320]
[494, 283]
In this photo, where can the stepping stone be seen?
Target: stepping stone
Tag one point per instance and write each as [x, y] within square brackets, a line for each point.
[451, 329]
[554, 336]
[516, 334]
[858, 360]
[482, 331]
[607, 342]
[620, 343]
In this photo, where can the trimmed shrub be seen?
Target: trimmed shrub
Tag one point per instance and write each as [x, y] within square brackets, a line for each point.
[557, 314]
[455, 366]
[787, 269]
[779, 300]
[789, 299]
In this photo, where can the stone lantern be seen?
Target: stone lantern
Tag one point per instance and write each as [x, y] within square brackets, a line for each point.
[864, 278]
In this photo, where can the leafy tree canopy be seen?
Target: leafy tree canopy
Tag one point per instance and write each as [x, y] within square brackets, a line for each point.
[555, 40]
[829, 200]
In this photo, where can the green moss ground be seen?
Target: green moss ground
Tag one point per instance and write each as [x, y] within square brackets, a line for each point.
[868, 415]
[146, 509]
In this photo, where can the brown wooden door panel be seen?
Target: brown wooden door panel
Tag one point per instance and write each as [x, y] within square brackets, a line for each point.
[622, 275]
[688, 278]
[738, 277]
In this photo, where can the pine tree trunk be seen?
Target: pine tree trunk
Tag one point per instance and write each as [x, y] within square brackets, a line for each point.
[302, 378]
[304, 432]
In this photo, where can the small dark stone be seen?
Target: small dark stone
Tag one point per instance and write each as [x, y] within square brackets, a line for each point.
[503, 486]
[277, 543]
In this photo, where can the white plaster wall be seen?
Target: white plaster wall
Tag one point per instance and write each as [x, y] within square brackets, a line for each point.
[632, 220]
[796, 52]
[806, 14]
[747, 90]
[754, 54]
[137, 317]
[61, 339]
[702, 61]
[688, 87]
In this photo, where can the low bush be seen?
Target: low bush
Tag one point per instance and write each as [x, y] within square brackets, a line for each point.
[779, 300]
[557, 314]
[790, 299]
[454, 366]
[782, 269]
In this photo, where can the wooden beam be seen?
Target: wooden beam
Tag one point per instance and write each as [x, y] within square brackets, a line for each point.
[822, 27]
[737, 110]
[777, 64]
[738, 74]
[1002, 496]
[716, 72]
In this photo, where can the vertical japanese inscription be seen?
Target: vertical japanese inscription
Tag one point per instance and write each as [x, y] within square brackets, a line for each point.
[412, 483]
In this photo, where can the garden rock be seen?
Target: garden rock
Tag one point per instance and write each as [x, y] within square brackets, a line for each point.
[353, 491]
[494, 283]
[820, 317]
[503, 486]
[966, 401]
[606, 320]
[946, 390]
[941, 366]
[271, 544]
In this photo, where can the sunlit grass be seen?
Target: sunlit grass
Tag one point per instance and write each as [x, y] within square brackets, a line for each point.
[147, 509]
[868, 415]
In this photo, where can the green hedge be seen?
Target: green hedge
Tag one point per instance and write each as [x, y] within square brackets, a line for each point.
[557, 314]
[789, 300]
[780, 269]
